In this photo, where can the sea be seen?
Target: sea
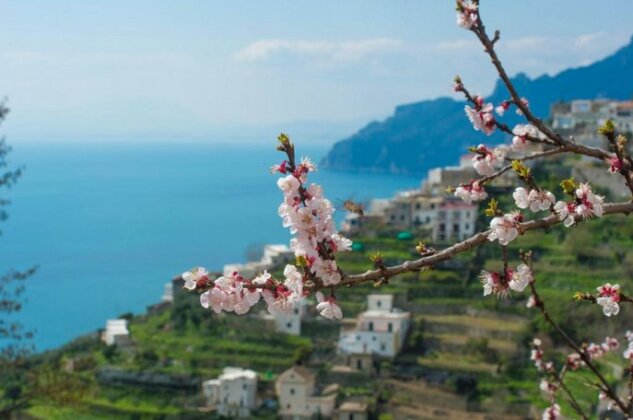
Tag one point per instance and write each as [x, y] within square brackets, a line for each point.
[109, 224]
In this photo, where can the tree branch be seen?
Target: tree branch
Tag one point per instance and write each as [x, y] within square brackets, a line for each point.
[468, 244]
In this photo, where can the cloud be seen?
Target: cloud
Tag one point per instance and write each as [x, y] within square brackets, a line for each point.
[537, 44]
[336, 51]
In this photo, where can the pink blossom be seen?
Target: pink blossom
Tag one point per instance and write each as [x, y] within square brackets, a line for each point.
[466, 14]
[535, 200]
[548, 387]
[595, 351]
[471, 192]
[608, 298]
[327, 307]
[481, 116]
[502, 108]
[615, 164]
[590, 203]
[565, 212]
[531, 302]
[574, 361]
[521, 133]
[552, 412]
[310, 218]
[280, 300]
[536, 355]
[484, 161]
[288, 184]
[282, 168]
[520, 278]
[504, 229]
[491, 283]
[196, 278]
[327, 271]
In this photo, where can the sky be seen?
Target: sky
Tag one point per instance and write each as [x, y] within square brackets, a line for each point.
[242, 71]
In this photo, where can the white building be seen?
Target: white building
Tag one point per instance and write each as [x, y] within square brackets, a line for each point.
[273, 256]
[234, 392]
[291, 324]
[168, 293]
[296, 391]
[446, 217]
[581, 118]
[381, 330]
[116, 333]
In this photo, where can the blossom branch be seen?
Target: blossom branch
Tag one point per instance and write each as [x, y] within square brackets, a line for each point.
[540, 305]
[489, 47]
[539, 155]
[466, 245]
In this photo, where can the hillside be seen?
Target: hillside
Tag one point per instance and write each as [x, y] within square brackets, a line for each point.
[434, 132]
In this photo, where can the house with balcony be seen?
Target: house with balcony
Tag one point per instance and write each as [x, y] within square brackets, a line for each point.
[380, 331]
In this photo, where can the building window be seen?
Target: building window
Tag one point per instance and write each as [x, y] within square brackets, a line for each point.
[296, 311]
[244, 386]
[428, 219]
[289, 325]
[402, 217]
[292, 391]
[456, 228]
[417, 206]
[390, 327]
[467, 226]
[379, 303]
[432, 206]
[383, 346]
[393, 217]
[370, 326]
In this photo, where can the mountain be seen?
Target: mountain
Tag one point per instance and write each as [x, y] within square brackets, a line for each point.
[432, 133]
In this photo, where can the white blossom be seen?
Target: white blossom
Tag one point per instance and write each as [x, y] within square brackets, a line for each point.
[471, 192]
[608, 298]
[504, 228]
[565, 212]
[327, 307]
[191, 278]
[520, 278]
[552, 412]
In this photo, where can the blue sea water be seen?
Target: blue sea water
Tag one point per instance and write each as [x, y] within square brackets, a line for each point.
[109, 224]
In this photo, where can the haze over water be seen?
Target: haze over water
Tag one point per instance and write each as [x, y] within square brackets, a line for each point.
[110, 224]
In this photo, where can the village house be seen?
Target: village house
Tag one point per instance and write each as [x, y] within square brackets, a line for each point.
[234, 393]
[445, 217]
[380, 331]
[298, 397]
[352, 410]
[116, 333]
[581, 118]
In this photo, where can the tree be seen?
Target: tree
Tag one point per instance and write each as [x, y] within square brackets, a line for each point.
[308, 214]
[14, 346]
